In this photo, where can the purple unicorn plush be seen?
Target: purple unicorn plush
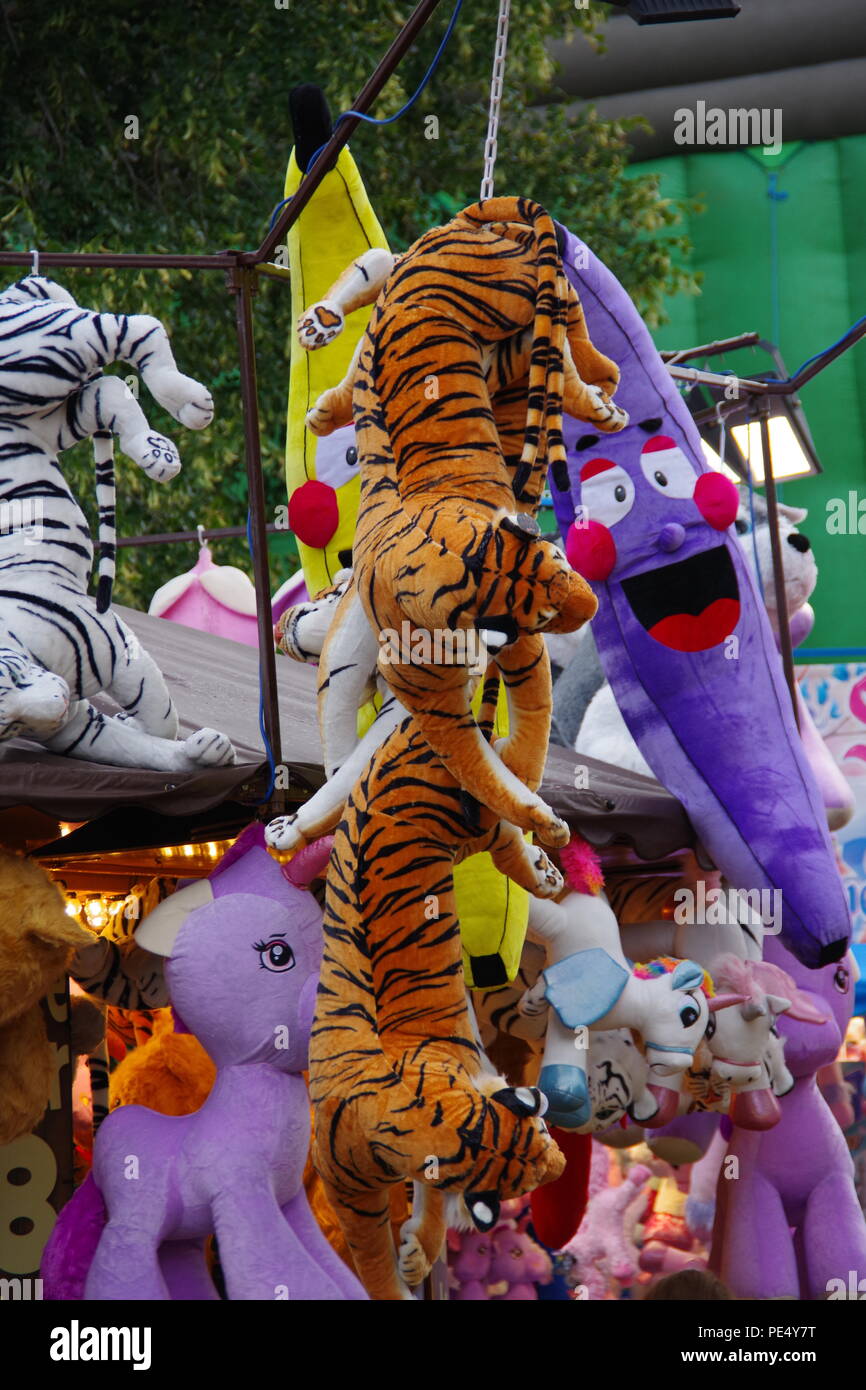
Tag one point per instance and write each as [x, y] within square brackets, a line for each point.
[242, 972]
[682, 635]
[790, 1225]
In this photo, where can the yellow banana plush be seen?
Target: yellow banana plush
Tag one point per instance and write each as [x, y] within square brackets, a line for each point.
[337, 225]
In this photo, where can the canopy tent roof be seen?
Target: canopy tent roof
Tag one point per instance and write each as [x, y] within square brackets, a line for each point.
[215, 683]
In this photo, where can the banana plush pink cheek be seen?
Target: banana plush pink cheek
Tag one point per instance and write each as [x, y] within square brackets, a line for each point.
[314, 506]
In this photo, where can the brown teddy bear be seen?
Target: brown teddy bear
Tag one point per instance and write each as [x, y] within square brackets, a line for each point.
[37, 942]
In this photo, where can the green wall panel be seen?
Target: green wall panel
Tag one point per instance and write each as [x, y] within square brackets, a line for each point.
[806, 293]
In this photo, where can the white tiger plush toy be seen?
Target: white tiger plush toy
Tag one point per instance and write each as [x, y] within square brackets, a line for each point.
[56, 649]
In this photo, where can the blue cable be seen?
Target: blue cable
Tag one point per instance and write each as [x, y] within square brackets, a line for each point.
[272, 767]
[384, 120]
[816, 355]
[775, 289]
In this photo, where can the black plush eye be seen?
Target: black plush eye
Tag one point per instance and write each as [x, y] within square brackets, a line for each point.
[741, 526]
[351, 454]
[689, 1015]
[619, 492]
[711, 1026]
[841, 979]
[276, 955]
[660, 478]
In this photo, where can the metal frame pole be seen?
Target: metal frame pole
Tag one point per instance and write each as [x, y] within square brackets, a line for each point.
[242, 284]
[171, 537]
[342, 131]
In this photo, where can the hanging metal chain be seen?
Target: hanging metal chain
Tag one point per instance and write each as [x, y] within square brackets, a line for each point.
[495, 99]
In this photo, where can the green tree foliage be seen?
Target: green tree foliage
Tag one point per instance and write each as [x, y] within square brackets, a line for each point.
[201, 167]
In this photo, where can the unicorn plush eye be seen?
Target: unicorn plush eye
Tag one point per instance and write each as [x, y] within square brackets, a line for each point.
[841, 979]
[666, 468]
[276, 956]
[689, 1015]
[606, 491]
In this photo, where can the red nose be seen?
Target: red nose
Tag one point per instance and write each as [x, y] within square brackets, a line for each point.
[591, 550]
[717, 500]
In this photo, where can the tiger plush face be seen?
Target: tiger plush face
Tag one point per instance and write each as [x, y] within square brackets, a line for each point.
[33, 701]
[507, 581]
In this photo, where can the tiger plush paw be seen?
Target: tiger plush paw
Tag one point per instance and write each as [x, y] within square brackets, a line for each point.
[547, 826]
[283, 833]
[412, 1260]
[322, 419]
[320, 324]
[182, 396]
[550, 880]
[155, 455]
[207, 748]
[604, 412]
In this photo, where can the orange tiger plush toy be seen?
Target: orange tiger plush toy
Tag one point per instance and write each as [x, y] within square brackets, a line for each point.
[399, 1085]
[458, 402]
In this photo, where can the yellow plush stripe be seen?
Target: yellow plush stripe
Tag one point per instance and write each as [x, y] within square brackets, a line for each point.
[493, 912]
[336, 225]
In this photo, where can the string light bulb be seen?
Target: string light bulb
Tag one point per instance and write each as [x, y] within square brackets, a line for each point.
[96, 912]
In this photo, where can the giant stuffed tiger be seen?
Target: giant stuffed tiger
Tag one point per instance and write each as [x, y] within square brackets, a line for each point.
[56, 649]
[457, 390]
[397, 1080]
[398, 1085]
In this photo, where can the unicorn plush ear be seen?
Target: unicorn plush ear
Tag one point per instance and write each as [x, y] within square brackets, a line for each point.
[159, 929]
[753, 1009]
[777, 1004]
[687, 975]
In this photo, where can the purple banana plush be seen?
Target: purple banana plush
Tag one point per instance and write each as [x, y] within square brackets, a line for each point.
[684, 639]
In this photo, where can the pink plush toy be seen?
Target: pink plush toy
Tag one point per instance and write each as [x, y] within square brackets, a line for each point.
[469, 1257]
[212, 598]
[603, 1249]
[518, 1266]
[503, 1265]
